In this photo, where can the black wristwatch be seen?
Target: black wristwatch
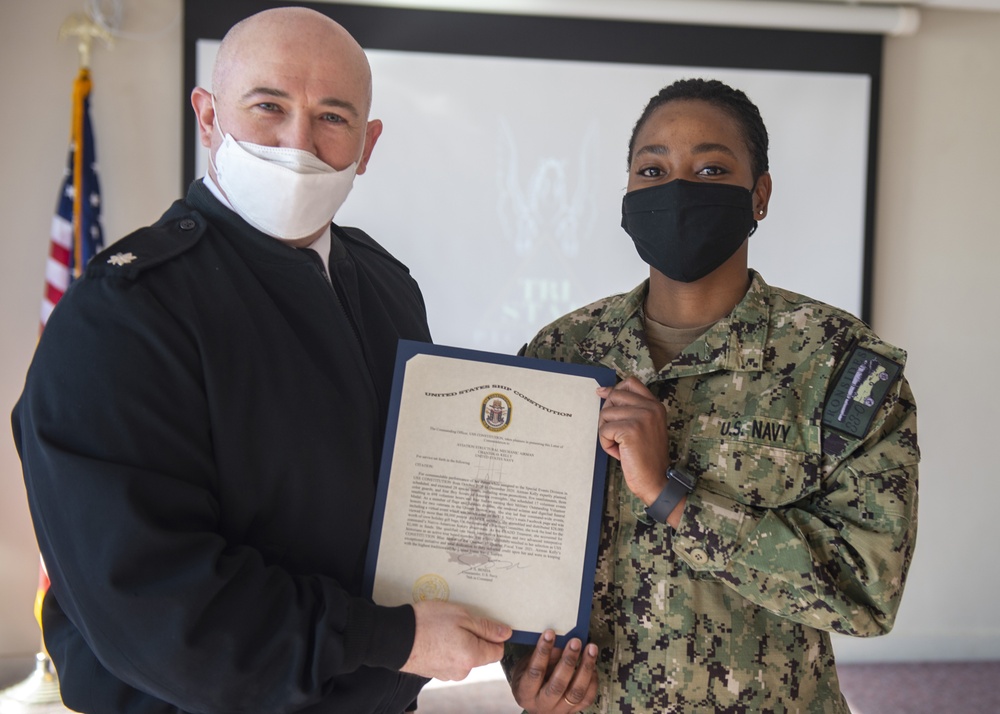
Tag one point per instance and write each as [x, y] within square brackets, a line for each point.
[679, 484]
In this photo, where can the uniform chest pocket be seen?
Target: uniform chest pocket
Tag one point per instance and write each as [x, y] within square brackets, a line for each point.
[760, 461]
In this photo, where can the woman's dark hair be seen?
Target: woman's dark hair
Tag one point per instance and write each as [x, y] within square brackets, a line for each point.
[732, 101]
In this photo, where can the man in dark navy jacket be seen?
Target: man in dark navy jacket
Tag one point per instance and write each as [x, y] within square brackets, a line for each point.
[201, 426]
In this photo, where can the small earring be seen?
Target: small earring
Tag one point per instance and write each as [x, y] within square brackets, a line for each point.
[761, 212]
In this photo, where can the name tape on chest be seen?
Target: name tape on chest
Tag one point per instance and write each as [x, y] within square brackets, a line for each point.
[859, 391]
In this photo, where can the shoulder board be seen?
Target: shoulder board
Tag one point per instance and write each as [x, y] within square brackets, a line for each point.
[148, 247]
[356, 236]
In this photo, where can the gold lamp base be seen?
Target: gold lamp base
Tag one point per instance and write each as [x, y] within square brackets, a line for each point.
[38, 693]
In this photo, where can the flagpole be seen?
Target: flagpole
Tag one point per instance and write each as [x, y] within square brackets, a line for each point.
[36, 694]
[39, 692]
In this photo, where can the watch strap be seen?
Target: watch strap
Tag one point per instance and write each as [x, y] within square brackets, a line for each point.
[677, 488]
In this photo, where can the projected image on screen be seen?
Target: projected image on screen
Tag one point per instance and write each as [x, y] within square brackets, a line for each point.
[498, 182]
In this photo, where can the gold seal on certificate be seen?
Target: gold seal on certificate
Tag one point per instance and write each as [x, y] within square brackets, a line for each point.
[491, 486]
[430, 587]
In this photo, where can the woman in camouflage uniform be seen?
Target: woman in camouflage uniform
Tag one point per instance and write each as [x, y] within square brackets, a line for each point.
[763, 490]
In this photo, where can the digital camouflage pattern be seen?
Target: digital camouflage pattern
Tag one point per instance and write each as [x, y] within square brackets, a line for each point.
[794, 530]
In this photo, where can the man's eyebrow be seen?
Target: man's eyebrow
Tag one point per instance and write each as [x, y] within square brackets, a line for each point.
[340, 104]
[267, 91]
[282, 94]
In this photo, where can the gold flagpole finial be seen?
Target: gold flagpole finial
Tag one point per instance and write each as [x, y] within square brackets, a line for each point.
[85, 30]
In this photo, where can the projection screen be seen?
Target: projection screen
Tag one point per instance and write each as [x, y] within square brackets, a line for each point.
[499, 176]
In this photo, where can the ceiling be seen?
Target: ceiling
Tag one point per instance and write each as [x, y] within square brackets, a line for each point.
[988, 5]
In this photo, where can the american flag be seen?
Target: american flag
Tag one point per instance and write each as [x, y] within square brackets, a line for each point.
[76, 226]
[76, 230]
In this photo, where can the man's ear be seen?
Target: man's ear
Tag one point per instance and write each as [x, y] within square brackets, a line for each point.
[204, 111]
[372, 132]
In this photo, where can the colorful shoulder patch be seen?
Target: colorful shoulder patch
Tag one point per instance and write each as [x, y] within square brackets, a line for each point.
[859, 392]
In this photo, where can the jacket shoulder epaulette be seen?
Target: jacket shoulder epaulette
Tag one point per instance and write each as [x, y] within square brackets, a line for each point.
[177, 231]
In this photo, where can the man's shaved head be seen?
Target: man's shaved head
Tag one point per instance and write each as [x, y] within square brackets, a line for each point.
[287, 35]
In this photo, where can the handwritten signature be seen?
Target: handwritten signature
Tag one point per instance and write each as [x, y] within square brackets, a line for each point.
[480, 564]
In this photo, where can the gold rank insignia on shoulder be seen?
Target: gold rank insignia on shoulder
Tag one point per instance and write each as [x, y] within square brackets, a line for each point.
[121, 259]
[860, 389]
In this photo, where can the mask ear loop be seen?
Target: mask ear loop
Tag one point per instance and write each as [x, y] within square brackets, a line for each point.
[753, 229]
[217, 125]
[215, 114]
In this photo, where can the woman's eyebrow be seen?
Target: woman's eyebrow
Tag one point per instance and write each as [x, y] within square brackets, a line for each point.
[703, 148]
[707, 147]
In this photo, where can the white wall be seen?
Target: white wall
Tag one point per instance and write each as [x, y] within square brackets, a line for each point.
[935, 288]
[937, 294]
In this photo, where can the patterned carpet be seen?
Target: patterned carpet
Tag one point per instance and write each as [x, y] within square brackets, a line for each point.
[906, 688]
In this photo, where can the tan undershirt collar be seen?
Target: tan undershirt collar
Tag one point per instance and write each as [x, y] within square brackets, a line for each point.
[665, 343]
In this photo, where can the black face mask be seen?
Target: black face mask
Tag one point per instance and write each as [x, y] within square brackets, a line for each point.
[687, 229]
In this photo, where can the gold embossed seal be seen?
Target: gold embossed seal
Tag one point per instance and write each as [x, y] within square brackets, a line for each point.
[430, 587]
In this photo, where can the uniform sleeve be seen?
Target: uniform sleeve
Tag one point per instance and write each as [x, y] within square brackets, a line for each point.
[115, 438]
[836, 559]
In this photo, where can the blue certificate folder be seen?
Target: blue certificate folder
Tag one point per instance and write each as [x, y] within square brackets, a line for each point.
[406, 351]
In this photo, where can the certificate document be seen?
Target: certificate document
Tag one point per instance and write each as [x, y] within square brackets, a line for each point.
[491, 488]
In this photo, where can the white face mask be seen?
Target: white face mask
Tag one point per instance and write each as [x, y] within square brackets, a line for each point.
[286, 193]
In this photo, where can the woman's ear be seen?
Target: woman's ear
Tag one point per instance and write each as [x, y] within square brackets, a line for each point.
[761, 196]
